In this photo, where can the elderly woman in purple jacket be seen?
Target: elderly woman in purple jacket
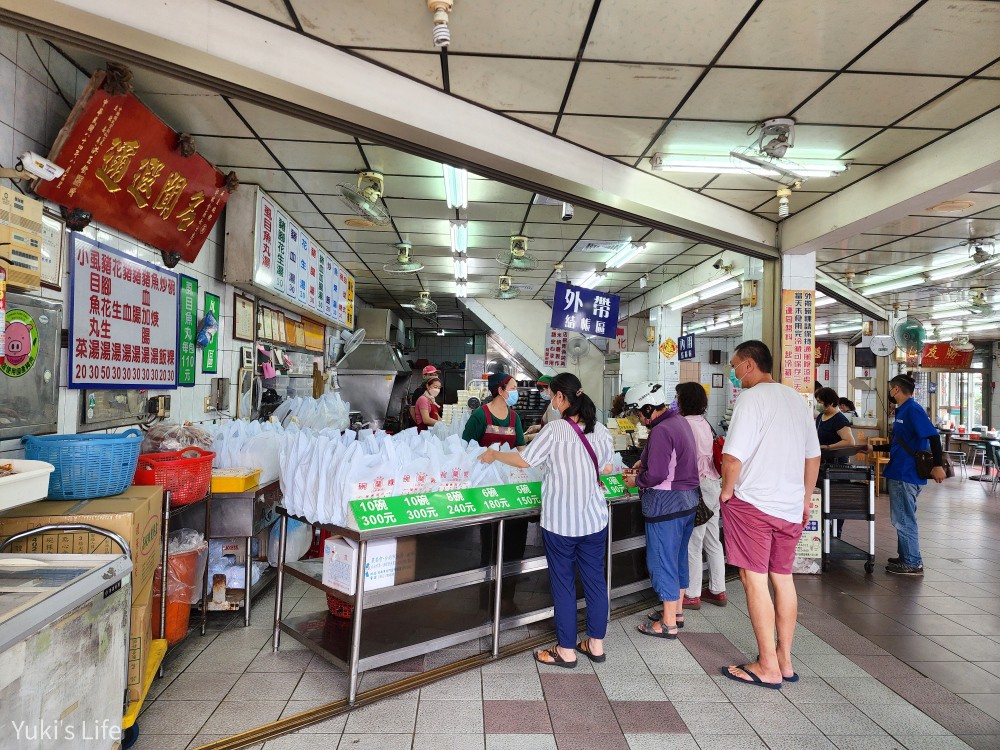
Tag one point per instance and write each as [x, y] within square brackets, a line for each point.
[668, 478]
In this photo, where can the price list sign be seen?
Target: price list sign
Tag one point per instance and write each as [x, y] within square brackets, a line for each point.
[797, 326]
[555, 348]
[123, 320]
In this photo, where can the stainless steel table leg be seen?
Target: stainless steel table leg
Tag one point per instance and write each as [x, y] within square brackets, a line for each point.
[163, 569]
[279, 586]
[356, 623]
[608, 572]
[497, 590]
[204, 578]
[247, 585]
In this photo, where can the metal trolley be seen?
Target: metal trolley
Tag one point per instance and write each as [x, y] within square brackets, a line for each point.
[848, 494]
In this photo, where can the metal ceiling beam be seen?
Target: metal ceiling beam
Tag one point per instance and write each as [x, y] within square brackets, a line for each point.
[699, 274]
[239, 54]
[845, 295]
[962, 161]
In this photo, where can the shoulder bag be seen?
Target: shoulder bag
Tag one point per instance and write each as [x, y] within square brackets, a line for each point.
[590, 449]
[924, 460]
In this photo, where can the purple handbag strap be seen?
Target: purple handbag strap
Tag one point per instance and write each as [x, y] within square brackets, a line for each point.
[586, 444]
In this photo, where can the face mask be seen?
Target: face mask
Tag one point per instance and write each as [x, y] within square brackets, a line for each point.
[512, 398]
[733, 379]
[434, 392]
[545, 395]
[892, 399]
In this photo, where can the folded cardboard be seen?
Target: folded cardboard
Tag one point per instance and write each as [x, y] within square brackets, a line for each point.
[134, 515]
[140, 636]
[389, 562]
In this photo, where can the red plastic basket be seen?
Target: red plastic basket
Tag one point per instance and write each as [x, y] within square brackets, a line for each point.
[186, 474]
[339, 608]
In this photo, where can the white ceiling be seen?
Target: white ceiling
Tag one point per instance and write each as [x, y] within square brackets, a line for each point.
[869, 82]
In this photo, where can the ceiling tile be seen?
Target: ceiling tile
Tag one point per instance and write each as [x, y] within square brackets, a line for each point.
[540, 120]
[424, 226]
[919, 244]
[668, 31]
[385, 24]
[910, 225]
[490, 191]
[750, 95]
[966, 229]
[273, 9]
[510, 83]
[323, 182]
[247, 152]
[197, 113]
[982, 202]
[429, 209]
[859, 242]
[952, 38]
[553, 215]
[391, 161]
[959, 106]
[272, 180]
[566, 233]
[268, 123]
[799, 201]
[609, 135]
[891, 145]
[873, 100]
[310, 155]
[635, 90]
[521, 27]
[811, 35]
[424, 66]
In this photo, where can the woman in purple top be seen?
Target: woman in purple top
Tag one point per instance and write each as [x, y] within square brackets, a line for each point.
[668, 478]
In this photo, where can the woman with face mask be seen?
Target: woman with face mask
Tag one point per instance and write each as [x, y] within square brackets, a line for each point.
[549, 413]
[428, 411]
[574, 450]
[497, 422]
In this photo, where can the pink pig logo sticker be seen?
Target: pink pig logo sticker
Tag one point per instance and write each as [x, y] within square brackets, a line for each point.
[22, 344]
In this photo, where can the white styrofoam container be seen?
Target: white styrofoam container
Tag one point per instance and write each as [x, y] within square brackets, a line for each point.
[28, 483]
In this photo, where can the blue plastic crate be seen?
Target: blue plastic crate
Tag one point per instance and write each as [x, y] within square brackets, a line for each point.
[87, 466]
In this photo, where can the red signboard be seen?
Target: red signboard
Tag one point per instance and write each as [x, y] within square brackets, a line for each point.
[124, 166]
[824, 352]
[943, 355]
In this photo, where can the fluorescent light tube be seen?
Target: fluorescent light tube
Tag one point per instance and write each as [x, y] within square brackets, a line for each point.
[825, 302]
[592, 279]
[891, 286]
[626, 253]
[716, 291]
[459, 236]
[950, 273]
[704, 286]
[694, 164]
[461, 289]
[686, 302]
[456, 186]
[949, 314]
[461, 269]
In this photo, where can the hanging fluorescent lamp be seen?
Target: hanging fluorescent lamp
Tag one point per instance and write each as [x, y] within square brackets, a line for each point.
[456, 186]
[691, 299]
[705, 286]
[461, 289]
[892, 286]
[825, 301]
[694, 164]
[626, 253]
[949, 314]
[459, 236]
[952, 272]
[461, 269]
[730, 286]
[592, 279]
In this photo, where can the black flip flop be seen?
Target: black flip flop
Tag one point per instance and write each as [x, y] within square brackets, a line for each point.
[557, 660]
[793, 678]
[646, 629]
[658, 615]
[583, 648]
[754, 680]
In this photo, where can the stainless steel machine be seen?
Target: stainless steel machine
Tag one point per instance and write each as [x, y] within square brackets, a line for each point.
[373, 379]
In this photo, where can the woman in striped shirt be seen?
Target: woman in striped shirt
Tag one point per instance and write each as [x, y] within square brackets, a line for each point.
[574, 451]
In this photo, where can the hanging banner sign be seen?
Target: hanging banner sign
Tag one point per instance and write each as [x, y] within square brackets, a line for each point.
[188, 331]
[685, 347]
[210, 352]
[123, 320]
[824, 352]
[945, 356]
[798, 366]
[124, 165]
[585, 310]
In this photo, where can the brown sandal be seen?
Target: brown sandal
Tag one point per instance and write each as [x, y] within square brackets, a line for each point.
[584, 648]
[556, 659]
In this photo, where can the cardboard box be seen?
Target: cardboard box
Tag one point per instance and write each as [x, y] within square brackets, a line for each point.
[135, 514]
[138, 642]
[390, 562]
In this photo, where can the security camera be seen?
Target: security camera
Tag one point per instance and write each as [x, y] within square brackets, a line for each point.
[39, 166]
[718, 264]
[567, 211]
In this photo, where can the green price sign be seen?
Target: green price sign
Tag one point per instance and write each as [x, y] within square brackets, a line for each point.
[383, 512]
[188, 299]
[210, 352]
[614, 486]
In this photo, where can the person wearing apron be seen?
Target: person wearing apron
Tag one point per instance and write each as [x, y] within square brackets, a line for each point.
[428, 412]
[495, 424]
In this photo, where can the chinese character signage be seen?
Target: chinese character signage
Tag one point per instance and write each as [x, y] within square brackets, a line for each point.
[123, 320]
[945, 356]
[798, 366]
[288, 263]
[685, 347]
[824, 352]
[668, 348]
[555, 348]
[188, 330]
[585, 311]
[123, 164]
[210, 352]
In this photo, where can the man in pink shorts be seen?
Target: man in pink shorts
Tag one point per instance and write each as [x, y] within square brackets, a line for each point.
[769, 468]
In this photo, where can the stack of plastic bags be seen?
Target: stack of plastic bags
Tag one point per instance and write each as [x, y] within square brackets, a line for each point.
[327, 411]
[251, 445]
[170, 436]
[322, 471]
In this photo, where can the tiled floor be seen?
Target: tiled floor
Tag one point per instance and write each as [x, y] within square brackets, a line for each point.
[885, 663]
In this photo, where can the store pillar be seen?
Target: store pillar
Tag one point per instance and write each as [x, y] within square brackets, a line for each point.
[664, 365]
[795, 355]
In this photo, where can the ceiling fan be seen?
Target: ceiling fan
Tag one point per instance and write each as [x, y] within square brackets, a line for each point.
[403, 264]
[506, 289]
[424, 305]
[961, 343]
[364, 200]
[517, 256]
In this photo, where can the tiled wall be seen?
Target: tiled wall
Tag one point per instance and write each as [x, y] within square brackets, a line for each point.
[31, 113]
[438, 349]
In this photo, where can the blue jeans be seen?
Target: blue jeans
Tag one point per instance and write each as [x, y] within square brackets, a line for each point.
[566, 555]
[903, 515]
[667, 556]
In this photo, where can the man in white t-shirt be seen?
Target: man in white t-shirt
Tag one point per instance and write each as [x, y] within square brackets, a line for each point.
[769, 468]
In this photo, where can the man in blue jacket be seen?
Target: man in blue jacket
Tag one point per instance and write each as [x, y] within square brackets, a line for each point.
[912, 431]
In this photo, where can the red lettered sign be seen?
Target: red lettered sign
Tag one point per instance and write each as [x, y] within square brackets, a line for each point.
[123, 165]
[943, 355]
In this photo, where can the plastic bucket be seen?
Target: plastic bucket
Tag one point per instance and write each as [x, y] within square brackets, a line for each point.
[184, 569]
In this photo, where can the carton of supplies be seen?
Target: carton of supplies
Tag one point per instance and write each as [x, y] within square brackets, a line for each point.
[390, 562]
[139, 639]
[134, 515]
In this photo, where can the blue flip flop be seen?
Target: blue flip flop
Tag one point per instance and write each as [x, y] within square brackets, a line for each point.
[793, 678]
[754, 680]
